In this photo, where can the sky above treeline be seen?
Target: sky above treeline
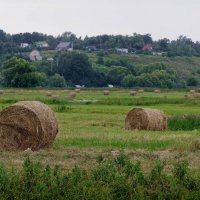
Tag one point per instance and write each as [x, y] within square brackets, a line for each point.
[160, 18]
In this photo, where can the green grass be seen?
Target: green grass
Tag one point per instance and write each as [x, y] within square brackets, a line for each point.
[94, 123]
[184, 122]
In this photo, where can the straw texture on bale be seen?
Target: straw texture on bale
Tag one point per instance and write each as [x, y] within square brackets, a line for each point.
[140, 91]
[145, 119]
[106, 92]
[133, 93]
[27, 124]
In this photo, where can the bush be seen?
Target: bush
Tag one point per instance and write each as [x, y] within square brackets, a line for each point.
[192, 81]
[56, 81]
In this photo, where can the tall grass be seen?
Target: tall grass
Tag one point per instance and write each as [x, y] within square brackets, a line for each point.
[184, 122]
[115, 178]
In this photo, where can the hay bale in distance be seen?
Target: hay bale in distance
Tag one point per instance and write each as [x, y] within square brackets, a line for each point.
[133, 93]
[106, 92]
[55, 97]
[1, 91]
[27, 124]
[140, 91]
[72, 95]
[157, 91]
[48, 94]
[145, 119]
[195, 95]
[192, 91]
[77, 90]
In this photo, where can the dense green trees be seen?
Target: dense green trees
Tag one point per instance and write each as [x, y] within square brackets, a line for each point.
[75, 68]
[192, 81]
[17, 72]
[56, 81]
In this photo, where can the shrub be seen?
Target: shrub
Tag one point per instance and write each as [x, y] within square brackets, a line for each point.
[56, 81]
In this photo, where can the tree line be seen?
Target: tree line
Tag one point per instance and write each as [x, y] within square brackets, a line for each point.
[72, 68]
[135, 43]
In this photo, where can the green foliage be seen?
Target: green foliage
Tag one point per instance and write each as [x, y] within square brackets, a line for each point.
[128, 81]
[100, 61]
[192, 81]
[18, 72]
[56, 81]
[117, 179]
[116, 74]
[75, 68]
[184, 122]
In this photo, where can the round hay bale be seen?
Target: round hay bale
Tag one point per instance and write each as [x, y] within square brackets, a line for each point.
[192, 91]
[196, 95]
[157, 91]
[133, 93]
[145, 119]
[27, 124]
[55, 97]
[1, 91]
[66, 91]
[48, 94]
[106, 92]
[72, 95]
[140, 91]
[77, 90]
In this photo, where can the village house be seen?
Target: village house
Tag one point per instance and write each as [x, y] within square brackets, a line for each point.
[35, 56]
[42, 44]
[91, 48]
[147, 47]
[64, 46]
[24, 45]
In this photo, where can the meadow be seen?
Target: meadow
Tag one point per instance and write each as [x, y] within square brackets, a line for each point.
[92, 124]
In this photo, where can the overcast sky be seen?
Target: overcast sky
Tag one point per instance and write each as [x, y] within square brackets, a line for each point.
[161, 18]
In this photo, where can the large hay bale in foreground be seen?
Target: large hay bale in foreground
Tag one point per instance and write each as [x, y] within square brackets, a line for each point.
[106, 92]
[145, 119]
[27, 124]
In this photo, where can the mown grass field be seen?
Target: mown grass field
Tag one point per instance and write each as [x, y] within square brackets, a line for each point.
[93, 124]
